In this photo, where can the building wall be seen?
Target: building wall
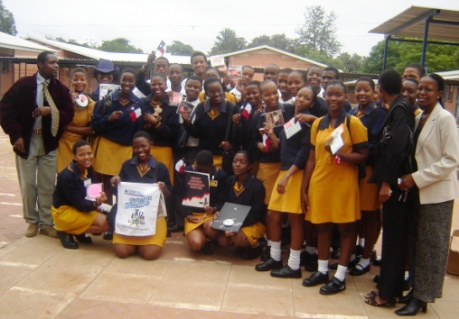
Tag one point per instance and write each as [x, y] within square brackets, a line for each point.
[260, 58]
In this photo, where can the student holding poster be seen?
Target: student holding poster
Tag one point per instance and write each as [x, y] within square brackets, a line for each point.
[198, 221]
[73, 214]
[143, 168]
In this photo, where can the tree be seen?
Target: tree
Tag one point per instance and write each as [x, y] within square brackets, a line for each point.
[7, 24]
[400, 54]
[227, 41]
[279, 41]
[319, 31]
[119, 45]
[180, 48]
[348, 63]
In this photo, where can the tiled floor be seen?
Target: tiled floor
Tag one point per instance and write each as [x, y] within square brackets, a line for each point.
[40, 279]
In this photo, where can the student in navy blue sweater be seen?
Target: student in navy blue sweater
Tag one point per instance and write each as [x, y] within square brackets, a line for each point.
[245, 189]
[285, 198]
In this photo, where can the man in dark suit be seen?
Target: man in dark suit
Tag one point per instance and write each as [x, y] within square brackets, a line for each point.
[33, 113]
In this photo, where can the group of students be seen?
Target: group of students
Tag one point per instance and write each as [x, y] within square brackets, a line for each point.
[303, 179]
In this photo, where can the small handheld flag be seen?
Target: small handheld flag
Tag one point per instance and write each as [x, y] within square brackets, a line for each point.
[162, 47]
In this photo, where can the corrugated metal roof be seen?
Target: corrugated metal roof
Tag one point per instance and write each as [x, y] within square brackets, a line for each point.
[275, 50]
[15, 43]
[112, 56]
[411, 23]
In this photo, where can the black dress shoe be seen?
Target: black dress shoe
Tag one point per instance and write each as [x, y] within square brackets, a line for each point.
[83, 239]
[108, 235]
[359, 270]
[406, 298]
[270, 264]
[266, 254]
[286, 272]
[334, 286]
[377, 262]
[310, 261]
[316, 278]
[412, 308]
[67, 240]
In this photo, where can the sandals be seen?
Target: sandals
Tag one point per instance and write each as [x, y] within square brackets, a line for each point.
[370, 299]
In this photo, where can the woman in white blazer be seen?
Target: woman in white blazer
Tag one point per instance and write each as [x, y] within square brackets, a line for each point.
[437, 158]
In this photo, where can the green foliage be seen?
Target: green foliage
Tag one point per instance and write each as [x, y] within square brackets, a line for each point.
[118, 45]
[278, 41]
[400, 54]
[319, 31]
[227, 41]
[7, 24]
[179, 48]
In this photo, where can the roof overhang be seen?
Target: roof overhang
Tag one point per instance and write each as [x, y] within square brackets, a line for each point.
[411, 23]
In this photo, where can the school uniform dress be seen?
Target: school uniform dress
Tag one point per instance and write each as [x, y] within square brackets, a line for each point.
[218, 180]
[72, 212]
[293, 151]
[268, 169]
[81, 118]
[130, 172]
[372, 117]
[251, 193]
[210, 127]
[164, 135]
[334, 189]
[392, 161]
[437, 158]
[112, 146]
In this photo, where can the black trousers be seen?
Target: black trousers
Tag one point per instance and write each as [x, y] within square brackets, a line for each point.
[395, 230]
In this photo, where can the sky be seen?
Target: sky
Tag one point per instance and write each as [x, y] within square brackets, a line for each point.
[197, 23]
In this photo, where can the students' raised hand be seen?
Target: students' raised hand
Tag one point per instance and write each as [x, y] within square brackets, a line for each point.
[151, 58]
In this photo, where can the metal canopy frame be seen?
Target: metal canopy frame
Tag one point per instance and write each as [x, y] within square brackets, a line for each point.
[415, 22]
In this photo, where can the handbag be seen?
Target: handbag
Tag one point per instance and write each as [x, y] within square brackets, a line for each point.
[227, 156]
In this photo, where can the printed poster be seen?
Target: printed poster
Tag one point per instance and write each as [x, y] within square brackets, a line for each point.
[197, 189]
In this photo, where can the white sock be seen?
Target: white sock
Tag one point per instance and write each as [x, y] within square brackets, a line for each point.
[340, 273]
[407, 275]
[311, 250]
[294, 259]
[362, 242]
[363, 262]
[269, 242]
[276, 250]
[323, 266]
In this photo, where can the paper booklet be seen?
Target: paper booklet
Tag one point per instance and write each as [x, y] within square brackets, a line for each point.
[275, 118]
[197, 189]
[336, 139]
[105, 88]
[93, 191]
[291, 128]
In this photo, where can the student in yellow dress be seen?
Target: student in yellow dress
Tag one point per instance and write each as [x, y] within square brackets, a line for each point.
[83, 107]
[285, 198]
[245, 189]
[117, 117]
[161, 121]
[198, 221]
[330, 190]
[373, 118]
[143, 168]
[73, 214]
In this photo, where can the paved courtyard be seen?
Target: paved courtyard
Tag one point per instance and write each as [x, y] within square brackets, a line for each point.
[40, 279]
